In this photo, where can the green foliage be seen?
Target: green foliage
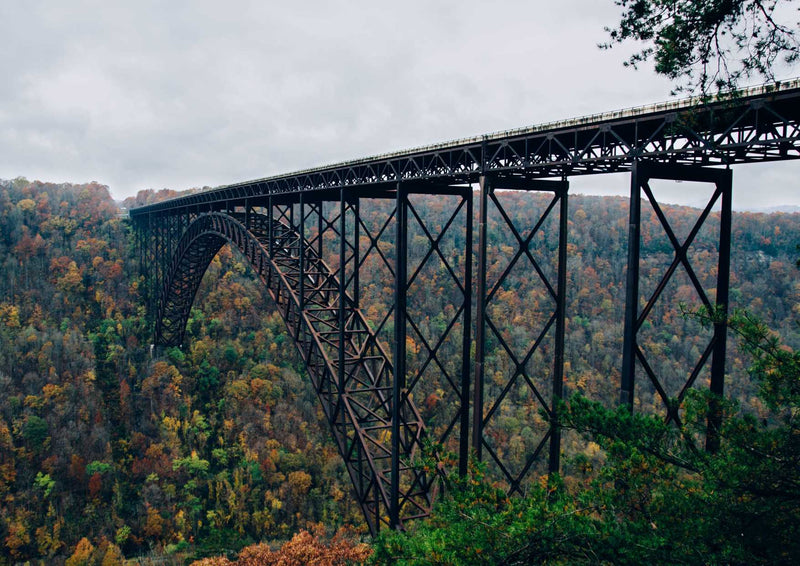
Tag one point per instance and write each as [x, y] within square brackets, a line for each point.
[35, 431]
[705, 44]
[207, 376]
[775, 368]
[192, 464]
[45, 483]
[122, 535]
[175, 355]
[478, 524]
[96, 467]
[659, 497]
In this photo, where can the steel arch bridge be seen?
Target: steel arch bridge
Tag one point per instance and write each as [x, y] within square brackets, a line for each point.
[308, 241]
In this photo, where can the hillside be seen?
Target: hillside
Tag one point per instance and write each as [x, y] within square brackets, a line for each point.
[222, 444]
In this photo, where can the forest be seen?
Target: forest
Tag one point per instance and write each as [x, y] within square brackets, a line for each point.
[111, 455]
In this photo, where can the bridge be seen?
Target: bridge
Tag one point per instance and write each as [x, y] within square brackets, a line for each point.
[305, 236]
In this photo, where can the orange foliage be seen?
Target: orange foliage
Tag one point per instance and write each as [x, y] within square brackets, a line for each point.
[82, 555]
[304, 549]
[154, 525]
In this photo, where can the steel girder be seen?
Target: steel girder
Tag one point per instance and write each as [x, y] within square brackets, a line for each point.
[377, 436]
[758, 125]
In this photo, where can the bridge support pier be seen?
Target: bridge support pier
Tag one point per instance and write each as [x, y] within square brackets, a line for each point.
[548, 341]
[437, 248]
[389, 489]
[641, 175]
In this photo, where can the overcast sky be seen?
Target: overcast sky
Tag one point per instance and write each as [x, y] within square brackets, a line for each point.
[179, 94]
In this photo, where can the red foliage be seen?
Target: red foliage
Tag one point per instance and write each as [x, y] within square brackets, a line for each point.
[95, 485]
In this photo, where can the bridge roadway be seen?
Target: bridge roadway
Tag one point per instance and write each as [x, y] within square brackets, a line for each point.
[762, 124]
[306, 239]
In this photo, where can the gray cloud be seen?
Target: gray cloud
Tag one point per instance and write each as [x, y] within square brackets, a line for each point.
[153, 94]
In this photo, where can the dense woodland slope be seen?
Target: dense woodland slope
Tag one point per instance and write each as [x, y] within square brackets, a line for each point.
[107, 452]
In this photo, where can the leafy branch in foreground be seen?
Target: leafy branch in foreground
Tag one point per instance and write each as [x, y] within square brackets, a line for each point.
[775, 367]
[703, 45]
[742, 502]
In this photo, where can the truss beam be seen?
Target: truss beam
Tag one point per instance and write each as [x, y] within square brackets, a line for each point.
[759, 125]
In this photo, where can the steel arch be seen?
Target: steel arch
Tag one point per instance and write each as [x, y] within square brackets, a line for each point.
[355, 392]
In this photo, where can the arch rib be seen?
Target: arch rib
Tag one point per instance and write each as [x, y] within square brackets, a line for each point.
[359, 409]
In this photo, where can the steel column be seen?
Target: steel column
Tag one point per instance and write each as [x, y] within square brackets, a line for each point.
[301, 256]
[480, 323]
[466, 344]
[163, 257]
[398, 383]
[631, 290]
[356, 207]
[137, 226]
[342, 286]
[320, 214]
[151, 312]
[717, 385]
[270, 235]
[561, 306]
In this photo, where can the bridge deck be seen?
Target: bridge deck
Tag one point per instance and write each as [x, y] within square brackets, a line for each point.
[759, 124]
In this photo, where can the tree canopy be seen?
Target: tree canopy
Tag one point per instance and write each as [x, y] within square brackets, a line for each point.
[656, 498]
[707, 45]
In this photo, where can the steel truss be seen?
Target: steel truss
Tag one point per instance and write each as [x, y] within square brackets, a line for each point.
[758, 125]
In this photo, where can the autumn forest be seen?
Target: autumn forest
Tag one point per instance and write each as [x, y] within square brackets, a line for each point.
[110, 453]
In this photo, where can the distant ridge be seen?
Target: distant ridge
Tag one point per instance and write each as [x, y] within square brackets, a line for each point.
[785, 208]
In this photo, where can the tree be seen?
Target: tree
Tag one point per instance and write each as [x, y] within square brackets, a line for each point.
[82, 555]
[704, 45]
[477, 523]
